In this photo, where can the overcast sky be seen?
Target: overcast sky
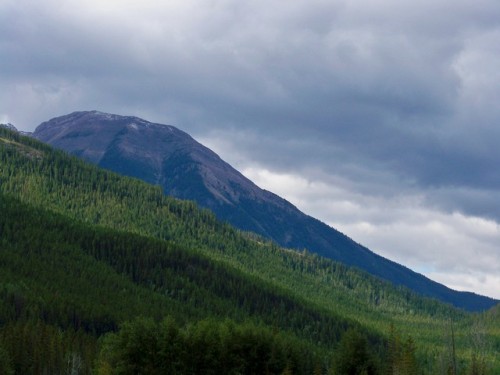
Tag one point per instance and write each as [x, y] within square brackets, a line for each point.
[381, 117]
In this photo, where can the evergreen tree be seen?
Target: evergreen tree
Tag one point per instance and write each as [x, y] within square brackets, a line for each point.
[401, 356]
[353, 356]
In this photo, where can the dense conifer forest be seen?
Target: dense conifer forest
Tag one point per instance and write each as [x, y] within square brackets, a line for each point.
[104, 274]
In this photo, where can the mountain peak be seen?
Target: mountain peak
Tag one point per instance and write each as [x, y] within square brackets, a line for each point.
[166, 156]
[157, 153]
[75, 118]
[76, 133]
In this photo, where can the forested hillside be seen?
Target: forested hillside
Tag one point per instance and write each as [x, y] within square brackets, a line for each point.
[166, 156]
[83, 251]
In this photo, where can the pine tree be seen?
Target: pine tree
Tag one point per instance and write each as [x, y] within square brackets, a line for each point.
[408, 360]
[353, 356]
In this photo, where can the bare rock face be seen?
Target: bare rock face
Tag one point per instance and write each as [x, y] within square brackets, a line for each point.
[164, 155]
[158, 154]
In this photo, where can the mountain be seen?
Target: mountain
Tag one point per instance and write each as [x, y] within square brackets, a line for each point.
[85, 250]
[65, 283]
[166, 156]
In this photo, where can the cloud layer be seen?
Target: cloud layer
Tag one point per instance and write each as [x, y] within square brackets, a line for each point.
[378, 117]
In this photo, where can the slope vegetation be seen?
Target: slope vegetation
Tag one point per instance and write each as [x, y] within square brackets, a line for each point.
[130, 251]
[166, 156]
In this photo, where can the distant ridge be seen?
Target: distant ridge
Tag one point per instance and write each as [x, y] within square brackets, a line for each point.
[165, 155]
[9, 126]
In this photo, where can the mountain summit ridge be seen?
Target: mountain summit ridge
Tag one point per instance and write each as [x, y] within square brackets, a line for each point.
[164, 155]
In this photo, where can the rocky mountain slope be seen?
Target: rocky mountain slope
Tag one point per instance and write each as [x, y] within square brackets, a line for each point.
[167, 156]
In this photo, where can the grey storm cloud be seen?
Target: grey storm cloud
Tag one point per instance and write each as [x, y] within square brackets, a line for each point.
[389, 97]
[386, 84]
